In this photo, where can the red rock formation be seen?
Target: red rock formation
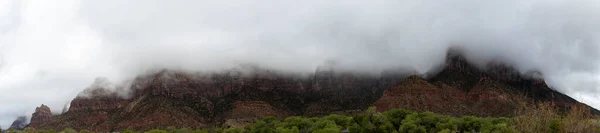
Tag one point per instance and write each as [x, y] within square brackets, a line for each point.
[418, 94]
[194, 100]
[42, 115]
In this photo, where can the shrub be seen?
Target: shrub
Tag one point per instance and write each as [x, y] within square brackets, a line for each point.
[339, 120]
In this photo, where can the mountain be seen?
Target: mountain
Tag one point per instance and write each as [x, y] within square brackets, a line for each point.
[463, 89]
[42, 115]
[242, 95]
[19, 124]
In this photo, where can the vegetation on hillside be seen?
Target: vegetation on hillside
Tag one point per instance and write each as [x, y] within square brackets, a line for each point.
[541, 118]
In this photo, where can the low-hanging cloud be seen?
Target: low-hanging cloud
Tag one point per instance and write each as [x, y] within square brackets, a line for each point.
[52, 50]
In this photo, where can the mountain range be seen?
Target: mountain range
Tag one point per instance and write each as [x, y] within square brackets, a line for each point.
[239, 96]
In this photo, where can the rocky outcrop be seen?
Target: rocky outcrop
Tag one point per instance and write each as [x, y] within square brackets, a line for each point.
[42, 115]
[488, 98]
[19, 124]
[461, 74]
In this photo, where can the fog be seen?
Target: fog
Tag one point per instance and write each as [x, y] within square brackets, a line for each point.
[52, 50]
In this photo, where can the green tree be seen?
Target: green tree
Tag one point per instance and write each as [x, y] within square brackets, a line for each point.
[340, 120]
[395, 116]
[328, 130]
[296, 121]
[409, 126]
[470, 124]
[287, 130]
[265, 125]
[447, 123]
[324, 124]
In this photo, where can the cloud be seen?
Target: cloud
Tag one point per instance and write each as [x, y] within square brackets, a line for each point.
[50, 51]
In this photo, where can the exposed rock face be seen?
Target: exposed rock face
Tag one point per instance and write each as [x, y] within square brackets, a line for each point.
[488, 98]
[19, 124]
[42, 115]
[460, 74]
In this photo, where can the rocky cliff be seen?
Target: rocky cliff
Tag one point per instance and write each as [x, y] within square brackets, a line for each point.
[42, 115]
[242, 95]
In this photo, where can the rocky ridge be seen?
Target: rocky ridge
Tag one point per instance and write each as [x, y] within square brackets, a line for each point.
[42, 115]
[235, 97]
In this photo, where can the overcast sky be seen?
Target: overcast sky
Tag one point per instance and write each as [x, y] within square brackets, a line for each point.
[52, 50]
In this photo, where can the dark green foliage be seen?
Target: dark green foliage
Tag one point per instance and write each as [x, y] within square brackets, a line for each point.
[265, 125]
[447, 123]
[298, 122]
[287, 130]
[395, 116]
[469, 124]
[393, 121]
[339, 120]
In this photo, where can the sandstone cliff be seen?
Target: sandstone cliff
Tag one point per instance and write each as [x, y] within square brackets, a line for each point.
[42, 115]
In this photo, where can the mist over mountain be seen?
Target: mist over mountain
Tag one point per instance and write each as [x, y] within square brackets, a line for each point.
[50, 51]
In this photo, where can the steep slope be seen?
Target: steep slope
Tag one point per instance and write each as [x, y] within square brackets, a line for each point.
[42, 115]
[462, 89]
